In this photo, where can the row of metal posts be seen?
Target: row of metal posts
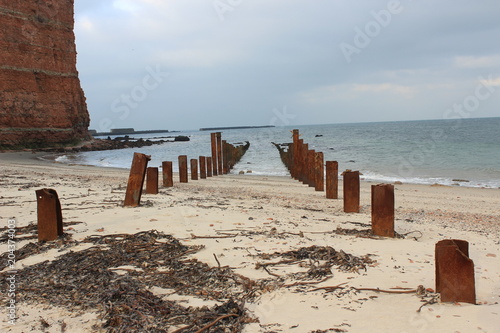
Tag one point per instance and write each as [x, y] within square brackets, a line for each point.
[224, 157]
[454, 270]
[308, 166]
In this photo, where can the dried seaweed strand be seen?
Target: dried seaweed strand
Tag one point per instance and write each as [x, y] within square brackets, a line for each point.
[329, 288]
[270, 273]
[302, 283]
[215, 322]
[193, 236]
[411, 291]
[332, 288]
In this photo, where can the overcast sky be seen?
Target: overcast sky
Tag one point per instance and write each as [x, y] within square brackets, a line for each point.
[186, 64]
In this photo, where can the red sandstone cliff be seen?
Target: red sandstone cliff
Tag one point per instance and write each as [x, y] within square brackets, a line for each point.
[41, 100]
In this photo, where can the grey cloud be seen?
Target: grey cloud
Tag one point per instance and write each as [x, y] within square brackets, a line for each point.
[267, 55]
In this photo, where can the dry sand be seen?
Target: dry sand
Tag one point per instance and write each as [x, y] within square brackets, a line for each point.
[267, 215]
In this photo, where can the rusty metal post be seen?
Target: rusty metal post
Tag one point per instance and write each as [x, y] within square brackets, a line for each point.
[167, 171]
[351, 191]
[50, 225]
[383, 210]
[300, 160]
[232, 156]
[288, 158]
[203, 167]
[194, 169]
[231, 152]
[152, 180]
[454, 271]
[332, 180]
[136, 180]
[305, 167]
[183, 169]
[219, 153]
[213, 138]
[311, 174]
[320, 172]
[295, 154]
[225, 157]
[209, 166]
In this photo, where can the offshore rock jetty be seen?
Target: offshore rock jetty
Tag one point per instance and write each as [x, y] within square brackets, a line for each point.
[111, 144]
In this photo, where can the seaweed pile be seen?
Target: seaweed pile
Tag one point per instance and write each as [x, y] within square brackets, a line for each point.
[27, 232]
[321, 259]
[363, 233]
[30, 249]
[90, 280]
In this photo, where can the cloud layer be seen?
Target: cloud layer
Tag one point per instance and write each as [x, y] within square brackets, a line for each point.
[180, 64]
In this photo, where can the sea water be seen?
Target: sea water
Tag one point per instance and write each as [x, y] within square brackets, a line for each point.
[459, 151]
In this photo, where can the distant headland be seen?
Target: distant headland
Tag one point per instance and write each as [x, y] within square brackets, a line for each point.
[233, 127]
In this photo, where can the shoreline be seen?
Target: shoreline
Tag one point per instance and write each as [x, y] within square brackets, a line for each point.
[23, 157]
[450, 192]
[237, 218]
[51, 158]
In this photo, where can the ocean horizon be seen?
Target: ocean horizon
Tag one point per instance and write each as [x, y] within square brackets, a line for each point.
[463, 152]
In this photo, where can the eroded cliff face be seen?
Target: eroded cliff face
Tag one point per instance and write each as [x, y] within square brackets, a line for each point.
[41, 100]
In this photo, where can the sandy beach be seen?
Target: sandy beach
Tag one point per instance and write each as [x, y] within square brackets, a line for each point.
[248, 225]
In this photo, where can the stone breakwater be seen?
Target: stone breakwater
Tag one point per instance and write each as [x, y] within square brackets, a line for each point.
[41, 100]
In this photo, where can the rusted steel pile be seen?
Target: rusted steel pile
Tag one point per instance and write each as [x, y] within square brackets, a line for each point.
[454, 271]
